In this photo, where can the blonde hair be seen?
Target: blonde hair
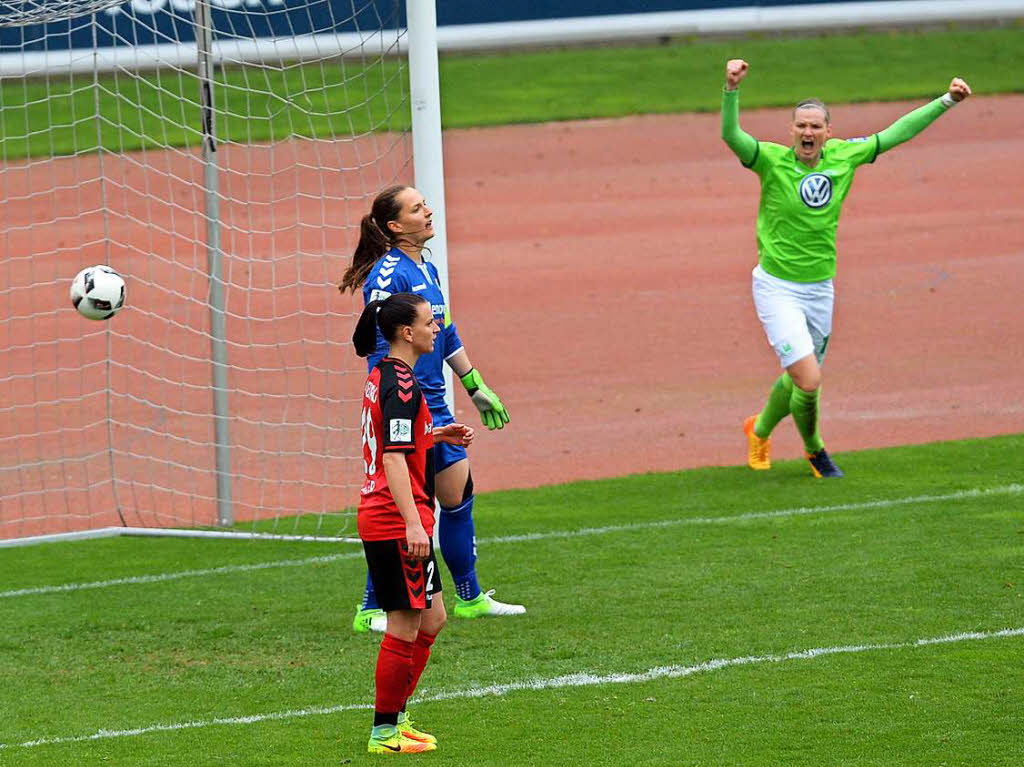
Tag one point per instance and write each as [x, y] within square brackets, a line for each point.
[815, 104]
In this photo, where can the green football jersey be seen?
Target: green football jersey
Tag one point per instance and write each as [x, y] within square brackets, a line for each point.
[800, 206]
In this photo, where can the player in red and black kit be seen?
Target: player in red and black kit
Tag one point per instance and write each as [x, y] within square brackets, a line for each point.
[396, 510]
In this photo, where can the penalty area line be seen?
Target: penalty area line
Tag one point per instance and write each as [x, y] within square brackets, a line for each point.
[960, 495]
[581, 679]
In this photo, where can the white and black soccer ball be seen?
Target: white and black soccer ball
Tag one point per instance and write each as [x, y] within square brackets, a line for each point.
[97, 292]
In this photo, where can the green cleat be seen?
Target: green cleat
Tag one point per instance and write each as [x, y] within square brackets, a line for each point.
[407, 730]
[388, 740]
[485, 605]
[369, 620]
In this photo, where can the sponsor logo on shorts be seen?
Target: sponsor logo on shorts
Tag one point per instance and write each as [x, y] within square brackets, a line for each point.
[786, 348]
[401, 430]
[816, 190]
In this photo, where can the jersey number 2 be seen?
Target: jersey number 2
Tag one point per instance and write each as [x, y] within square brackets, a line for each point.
[430, 576]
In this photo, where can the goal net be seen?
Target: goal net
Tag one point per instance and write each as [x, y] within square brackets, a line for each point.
[107, 156]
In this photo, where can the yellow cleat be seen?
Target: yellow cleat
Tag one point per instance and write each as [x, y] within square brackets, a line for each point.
[759, 451]
[396, 743]
[407, 730]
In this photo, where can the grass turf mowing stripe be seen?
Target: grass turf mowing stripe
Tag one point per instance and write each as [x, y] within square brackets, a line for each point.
[1012, 489]
[582, 679]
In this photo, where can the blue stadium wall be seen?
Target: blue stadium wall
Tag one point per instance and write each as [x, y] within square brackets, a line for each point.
[471, 12]
[143, 22]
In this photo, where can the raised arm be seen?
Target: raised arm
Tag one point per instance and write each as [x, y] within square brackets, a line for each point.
[743, 145]
[914, 122]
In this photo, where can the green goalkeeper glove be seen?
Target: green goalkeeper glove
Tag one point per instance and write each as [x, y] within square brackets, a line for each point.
[492, 412]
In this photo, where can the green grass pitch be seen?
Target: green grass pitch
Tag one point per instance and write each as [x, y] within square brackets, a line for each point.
[664, 614]
[59, 116]
[708, 617]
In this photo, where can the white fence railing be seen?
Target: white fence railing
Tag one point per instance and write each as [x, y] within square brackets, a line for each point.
[518, 34]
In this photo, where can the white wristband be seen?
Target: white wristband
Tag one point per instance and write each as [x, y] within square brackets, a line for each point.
[947, 100]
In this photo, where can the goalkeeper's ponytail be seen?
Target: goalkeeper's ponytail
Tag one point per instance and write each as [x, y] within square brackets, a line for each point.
[389, 315]
[375, 238]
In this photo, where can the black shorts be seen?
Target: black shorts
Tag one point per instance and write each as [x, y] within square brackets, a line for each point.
[398, 583]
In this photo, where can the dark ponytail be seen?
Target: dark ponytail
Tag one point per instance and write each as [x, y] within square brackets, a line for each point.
[389, 315]
[375, 238]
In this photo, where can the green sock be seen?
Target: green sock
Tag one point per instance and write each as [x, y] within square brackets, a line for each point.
[776, 408]
[804, 407]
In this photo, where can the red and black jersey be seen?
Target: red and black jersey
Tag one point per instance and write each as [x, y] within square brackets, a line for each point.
[395, 419]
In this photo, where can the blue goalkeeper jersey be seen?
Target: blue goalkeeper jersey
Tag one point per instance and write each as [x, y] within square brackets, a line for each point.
[395, 272]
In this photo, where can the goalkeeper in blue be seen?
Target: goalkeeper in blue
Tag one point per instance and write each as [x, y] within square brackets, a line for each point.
[390, 258]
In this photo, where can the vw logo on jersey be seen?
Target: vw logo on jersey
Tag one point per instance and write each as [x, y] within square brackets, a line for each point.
[816, 190]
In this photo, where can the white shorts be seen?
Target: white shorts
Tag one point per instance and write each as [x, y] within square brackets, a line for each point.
[796, 316]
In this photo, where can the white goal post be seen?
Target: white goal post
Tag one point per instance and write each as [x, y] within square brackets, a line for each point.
[225, 180]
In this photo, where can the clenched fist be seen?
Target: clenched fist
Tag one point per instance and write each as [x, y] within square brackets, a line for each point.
[735, 70]
[958, 89]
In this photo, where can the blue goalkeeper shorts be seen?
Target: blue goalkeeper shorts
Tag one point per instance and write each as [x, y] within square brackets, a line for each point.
[444, 454]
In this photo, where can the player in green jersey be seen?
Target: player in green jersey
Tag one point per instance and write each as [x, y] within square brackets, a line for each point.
[803, 186]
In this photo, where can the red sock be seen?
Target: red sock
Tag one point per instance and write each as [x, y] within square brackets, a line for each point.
[394, 665]
[420, 656]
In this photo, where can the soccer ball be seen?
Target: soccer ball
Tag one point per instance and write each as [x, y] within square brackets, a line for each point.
[97, 292]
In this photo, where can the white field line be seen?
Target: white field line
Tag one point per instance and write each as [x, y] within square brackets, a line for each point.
[581, 679]
[960, 495]
[161, 577]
